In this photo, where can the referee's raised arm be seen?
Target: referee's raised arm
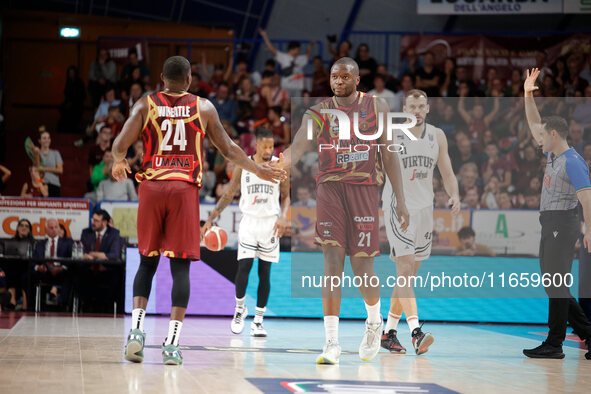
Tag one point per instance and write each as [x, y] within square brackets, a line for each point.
[531, 112]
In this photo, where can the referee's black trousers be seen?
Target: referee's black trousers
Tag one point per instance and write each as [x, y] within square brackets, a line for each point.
[560, 230]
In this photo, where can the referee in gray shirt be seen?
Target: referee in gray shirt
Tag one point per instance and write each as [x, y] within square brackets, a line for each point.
[566, 182]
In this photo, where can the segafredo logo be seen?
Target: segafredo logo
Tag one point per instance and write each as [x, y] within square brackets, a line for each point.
[340, 123]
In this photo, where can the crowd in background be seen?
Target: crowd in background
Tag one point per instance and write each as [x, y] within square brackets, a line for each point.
[492, 152]
[493, 155]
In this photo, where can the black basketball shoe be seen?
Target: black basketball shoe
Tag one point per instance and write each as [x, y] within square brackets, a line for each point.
[391, 343]
[421, 340]
[544, 351]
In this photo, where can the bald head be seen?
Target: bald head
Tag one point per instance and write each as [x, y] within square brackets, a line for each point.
[349, 63]
[52, 228]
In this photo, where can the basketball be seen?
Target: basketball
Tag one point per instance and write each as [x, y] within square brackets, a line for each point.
[215, 239]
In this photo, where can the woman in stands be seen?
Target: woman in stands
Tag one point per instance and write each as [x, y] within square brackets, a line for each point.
[16, 272]
[52, 164]
[37, 188]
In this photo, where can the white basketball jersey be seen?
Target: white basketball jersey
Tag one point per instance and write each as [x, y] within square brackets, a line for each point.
[258, 197]
[417, 162]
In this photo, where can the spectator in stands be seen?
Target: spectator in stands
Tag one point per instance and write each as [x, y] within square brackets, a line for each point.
[573, 81]
[50, 272]
[428, 77]
[100, 282]
[576, 137]
[471, 199]
[99, 173]
[449, 123]
[136, 92]
[196, 86]
[441, 198]
[292, 64]
[135, 158]
[224, 104]
[406, 84]
[100, 241]
[16, 272]
[391, 82]
[536, 183]
[380, 90]
[97, 151]
[476, 119]
[134, 77]
[73, 106]
[586, 71]
[514, 86]
[464, 155]
[582, 113]
[320, 79]
[367, 67]
[504, 200]
[219, 75]
[115, 120]
[468, 177]
[411, 64]
[53, 165]
[247, 98]
[448, 87]
[275, 95]
[549, 87]
[528, 167]
[304, 197]
[531, 200]
[496, 166]
[132, 62]
[279, 128]
[488, 84]
[37, 188]
[108, 101]
[343, 48]
[468, 246]
[240, 74]
[261, 107]
[257, 77]
[103, 72]
[489, 195]
[5, 174]
[110, 189]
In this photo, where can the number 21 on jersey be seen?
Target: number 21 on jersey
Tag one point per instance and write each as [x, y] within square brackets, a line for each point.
[179, 139]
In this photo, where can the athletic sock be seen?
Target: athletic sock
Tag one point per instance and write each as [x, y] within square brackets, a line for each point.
[392, 322]
[137, 319]
[240, 302]
[174, 331]
[413, 322]
[331, 328]
[373, 312]
[258, 316]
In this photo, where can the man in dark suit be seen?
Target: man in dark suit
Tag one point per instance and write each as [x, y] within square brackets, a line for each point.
[50, 272]
[100, 282]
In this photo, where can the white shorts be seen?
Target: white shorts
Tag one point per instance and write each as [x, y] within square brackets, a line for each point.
[417, 237]
[256, 239]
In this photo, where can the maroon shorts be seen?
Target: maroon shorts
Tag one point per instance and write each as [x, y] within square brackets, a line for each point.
[168, 219]
[347, 215]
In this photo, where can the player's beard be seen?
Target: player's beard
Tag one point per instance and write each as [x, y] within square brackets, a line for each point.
[347, 91]
[267, 158]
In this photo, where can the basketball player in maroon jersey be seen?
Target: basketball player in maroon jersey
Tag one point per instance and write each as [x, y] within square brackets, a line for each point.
[347, 220]
[172, 124]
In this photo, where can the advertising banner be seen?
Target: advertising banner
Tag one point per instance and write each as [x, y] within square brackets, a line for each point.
[73, 213]
[508, 232]
[490, 7]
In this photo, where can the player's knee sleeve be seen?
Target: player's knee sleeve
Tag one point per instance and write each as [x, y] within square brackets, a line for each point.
[181, 283]
[264, 283]
[142, 284]
[241, 280]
